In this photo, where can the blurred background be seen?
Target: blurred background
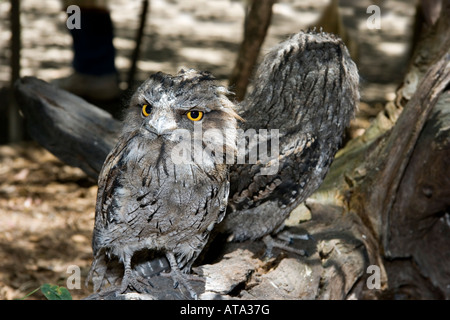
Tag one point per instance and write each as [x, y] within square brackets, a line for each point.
[47, 207]
[206, 34]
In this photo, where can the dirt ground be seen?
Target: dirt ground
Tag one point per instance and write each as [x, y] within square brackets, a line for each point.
[46, 218]
[47, 207]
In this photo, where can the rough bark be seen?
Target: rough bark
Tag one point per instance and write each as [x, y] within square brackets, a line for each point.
[388, 163]
[402, 195]
[419, 220]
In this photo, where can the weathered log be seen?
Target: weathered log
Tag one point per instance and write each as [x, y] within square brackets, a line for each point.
[375, 195]
[419, 222]
[383, 195]
[74, 130]
[414, 266]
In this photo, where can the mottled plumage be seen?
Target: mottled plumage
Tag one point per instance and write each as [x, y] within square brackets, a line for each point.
[307, 88]
[149, 200]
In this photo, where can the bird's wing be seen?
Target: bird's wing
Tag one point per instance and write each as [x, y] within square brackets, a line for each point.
[307, 88]
[107, 181]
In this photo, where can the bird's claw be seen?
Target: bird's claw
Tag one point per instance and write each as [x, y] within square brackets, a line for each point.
[273, 243]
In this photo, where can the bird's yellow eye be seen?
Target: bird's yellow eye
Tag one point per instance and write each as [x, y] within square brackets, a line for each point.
[146, 109]
[195, 115]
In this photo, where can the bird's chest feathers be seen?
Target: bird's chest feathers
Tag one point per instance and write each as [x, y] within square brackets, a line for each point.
[154, 163]
[154, 188]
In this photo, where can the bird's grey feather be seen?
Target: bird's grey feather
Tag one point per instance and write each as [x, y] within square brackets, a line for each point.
[307, 88]
[148, 201]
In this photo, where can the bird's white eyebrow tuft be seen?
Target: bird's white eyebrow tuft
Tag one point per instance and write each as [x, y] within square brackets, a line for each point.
[164, 100]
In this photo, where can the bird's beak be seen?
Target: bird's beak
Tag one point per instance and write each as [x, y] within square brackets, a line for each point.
[162, 125]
